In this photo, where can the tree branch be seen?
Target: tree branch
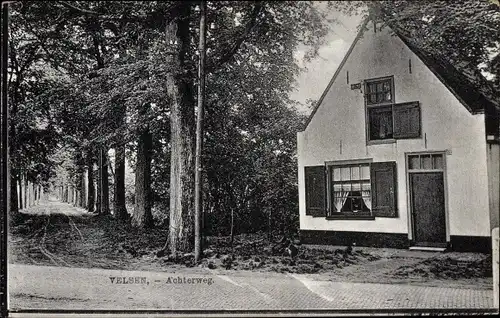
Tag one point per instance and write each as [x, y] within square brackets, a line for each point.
[73, 7]
[226, 56]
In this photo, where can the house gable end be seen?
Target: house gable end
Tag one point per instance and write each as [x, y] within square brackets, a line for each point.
[455, 82]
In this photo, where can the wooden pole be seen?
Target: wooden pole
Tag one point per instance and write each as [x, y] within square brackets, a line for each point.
[199, 134]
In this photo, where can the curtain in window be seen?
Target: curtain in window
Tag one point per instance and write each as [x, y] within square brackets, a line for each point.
[367, 198]
[385, 128]
[340, 198]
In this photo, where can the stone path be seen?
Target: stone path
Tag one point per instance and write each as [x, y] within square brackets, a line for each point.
[47, 287]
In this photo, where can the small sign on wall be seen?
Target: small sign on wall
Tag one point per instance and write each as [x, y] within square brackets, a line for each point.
[356, 86]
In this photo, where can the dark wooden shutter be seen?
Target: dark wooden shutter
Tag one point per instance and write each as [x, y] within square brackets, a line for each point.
[384, 188]
[407, 120]
[315, 191]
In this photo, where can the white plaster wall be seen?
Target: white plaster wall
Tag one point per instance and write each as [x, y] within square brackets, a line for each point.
[493, 156]
[447, 124]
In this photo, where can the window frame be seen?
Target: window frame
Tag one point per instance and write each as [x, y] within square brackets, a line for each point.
[369, 106]
[330, 165]
[392, 104]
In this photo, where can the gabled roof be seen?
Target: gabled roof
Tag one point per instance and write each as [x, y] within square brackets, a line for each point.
[476, 98]
[473, 97]
[356, 39]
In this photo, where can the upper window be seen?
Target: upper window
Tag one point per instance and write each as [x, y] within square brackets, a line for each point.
[379, 91]
[386, 119]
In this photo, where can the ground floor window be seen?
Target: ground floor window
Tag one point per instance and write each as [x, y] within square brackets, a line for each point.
[357, 189]
[351, 189]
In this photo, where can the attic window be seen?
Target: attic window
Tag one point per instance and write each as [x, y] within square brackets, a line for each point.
[379, 91]
[387, 120]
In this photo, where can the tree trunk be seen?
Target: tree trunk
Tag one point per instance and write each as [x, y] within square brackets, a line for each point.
[142, 216]
[21, 205]
[119, 195]
[269, 229]
[70, 194]
[14, 204]
[26, 191]
[83, 192]
[105, 182]
[35, 194]
[32, 194]
[90, 182]
[232, 227]
[98, 206]
[182, 123]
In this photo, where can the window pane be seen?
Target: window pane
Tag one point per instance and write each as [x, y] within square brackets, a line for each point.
[365, 172]
[387, 86]
[356, 187]
[336, 174]
[438, 161]
[380, 98]
[388, 97]
[346, 174]
[426, 162]
[380, 123]
[355, 173]
[370, 88]
[372, 98]
[366, 186]
[414, 162]
[380, 87]
[346, 187]
[337, 188]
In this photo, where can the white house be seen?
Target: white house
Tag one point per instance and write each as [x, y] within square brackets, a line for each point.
[400, 151]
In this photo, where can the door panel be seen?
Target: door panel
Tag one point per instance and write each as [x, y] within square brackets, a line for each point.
[427, 196]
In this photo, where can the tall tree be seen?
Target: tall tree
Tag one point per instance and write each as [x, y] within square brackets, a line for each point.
[90, 182]
[252, 27]
[142, 210]
[180, 89]
[120, 208]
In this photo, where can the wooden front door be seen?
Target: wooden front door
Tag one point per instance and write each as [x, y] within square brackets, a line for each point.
[428, 208]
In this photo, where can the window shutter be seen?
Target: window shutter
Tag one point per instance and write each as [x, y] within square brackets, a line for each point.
[384, 189]
[407, 120]
[315, 191]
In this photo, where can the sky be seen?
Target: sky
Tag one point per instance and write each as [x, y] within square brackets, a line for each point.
[311, 83]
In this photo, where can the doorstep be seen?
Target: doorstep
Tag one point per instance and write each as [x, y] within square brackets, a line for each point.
[427, 248]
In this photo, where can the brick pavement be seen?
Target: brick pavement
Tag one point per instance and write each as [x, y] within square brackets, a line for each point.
[77, 288]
